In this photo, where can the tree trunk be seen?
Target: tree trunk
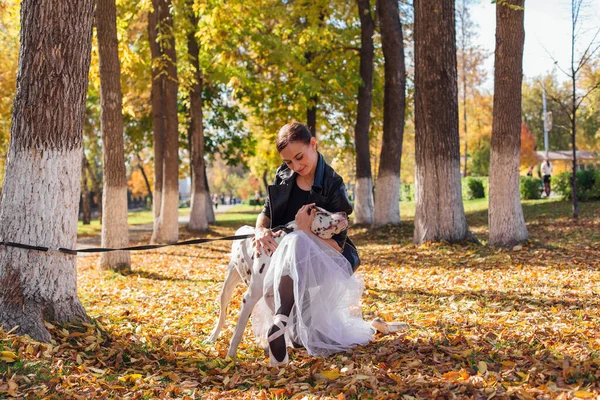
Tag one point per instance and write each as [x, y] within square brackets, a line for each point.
[363, 207]
[96, 184]
[86, 207]
[42, 181]
[210, 211]
[439, 207]
[574, 114]
[387, 195]
[463, 25]
[506, 220]
[166, 227]
[146, 181]
[115, 231]
[158, 125]
[198, 219]
[575, 205]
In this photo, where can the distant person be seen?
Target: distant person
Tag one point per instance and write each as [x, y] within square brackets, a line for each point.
[530, 171]
[215, 200]
[222, 199]
[546, 171]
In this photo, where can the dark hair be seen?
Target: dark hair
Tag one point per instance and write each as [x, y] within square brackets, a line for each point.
[292, 132]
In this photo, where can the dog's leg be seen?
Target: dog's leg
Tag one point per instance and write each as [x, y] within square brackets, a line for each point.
[251, 297]
[231, 281]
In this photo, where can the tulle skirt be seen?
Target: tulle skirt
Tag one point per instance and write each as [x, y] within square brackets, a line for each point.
[326, 317]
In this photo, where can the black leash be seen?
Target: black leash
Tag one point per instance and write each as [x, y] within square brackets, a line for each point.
[131, 248]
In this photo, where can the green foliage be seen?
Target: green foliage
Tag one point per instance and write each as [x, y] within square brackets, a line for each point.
[588, 185]
[506, 3]
[561, 185]
[474, 188]
[407, 191]
[480, 158]
[530, 188]
[588, 115]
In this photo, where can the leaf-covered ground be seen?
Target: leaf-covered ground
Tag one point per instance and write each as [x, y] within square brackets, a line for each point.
[482, 323]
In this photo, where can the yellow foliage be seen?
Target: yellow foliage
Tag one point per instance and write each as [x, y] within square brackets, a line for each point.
[136, 183]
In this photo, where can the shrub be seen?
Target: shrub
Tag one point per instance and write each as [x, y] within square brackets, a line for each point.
[588, 185]
[407, 191]
[475, 189]
[561, 185]
[530, 188]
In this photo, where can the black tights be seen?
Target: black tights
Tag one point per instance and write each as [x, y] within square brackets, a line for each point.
[286, 295]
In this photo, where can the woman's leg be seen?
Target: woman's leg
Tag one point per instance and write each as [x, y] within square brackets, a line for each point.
[286, 294]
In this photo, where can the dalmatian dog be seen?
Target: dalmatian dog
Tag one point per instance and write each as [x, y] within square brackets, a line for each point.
[245, 266]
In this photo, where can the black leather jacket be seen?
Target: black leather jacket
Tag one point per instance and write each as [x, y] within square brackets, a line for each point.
[328, 191]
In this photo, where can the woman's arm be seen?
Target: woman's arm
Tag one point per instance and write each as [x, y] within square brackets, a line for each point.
[263, 221]
[264, 236]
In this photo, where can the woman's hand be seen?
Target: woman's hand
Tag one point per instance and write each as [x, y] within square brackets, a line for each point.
[305, 217]
[264, 241]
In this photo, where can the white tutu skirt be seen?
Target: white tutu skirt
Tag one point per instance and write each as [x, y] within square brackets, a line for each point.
[326, 317]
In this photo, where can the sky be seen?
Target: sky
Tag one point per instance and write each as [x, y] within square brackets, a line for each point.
[547, 30]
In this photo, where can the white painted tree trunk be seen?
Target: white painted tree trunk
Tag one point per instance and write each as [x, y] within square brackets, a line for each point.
[387, 200]
[166, 228]
[210, 210]
[506, 219]
[363, 204]
[198, 218]
[167, 225]
[439, 212]
[439, 207]
[39, 207]
[156, 200]
[115, 231]
[40, 197]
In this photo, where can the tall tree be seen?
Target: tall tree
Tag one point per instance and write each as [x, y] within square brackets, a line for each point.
[166, 226]
[387, 195]
[439, 207]
[576, 98]
[198, 217]
[506, 220]
[464, 38]
[86, 207]
[210, 212]
[115, 231]
[158, 118]
[363, 206]
[41, 188]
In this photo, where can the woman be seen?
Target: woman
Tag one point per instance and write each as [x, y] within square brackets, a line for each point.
[316, 296]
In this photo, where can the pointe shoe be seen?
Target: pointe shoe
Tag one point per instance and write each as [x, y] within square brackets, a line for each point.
[281, 322]
[379, 325]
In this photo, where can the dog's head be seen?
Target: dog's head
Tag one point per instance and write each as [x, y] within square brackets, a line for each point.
[326, 224]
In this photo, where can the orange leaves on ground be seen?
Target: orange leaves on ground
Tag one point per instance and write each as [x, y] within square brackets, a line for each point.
[481, 323]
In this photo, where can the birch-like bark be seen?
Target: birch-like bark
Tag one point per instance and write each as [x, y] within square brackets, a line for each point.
[439, 208]
[115, 231]
[387, 193]
[363, 206]
[42, 183]
[506, 220]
